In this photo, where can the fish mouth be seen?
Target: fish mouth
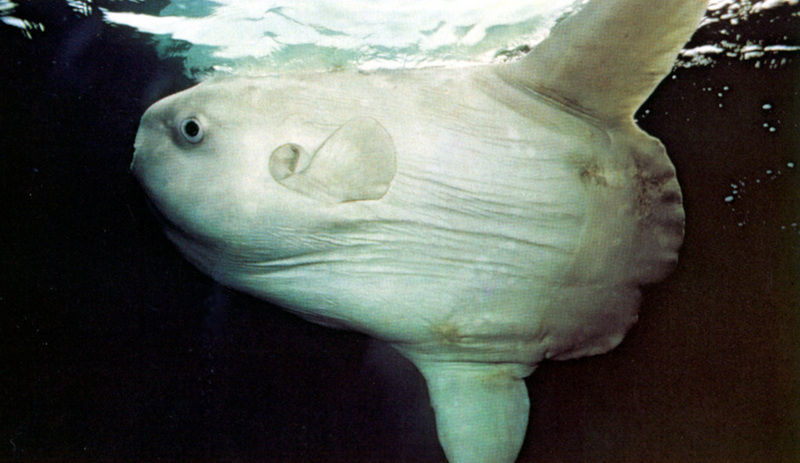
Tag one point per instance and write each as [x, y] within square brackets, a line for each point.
[137, 153]
[136, 169]
[132, 166]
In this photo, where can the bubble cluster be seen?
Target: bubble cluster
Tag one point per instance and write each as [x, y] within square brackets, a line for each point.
[735, 199]
[771, 126]
[720, 93]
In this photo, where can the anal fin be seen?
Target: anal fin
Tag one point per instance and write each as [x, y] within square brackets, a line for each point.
[481, 409]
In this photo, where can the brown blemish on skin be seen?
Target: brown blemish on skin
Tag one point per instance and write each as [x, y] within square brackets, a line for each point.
[593, 173]
[650, 189]
[645, 186]
[447, 333]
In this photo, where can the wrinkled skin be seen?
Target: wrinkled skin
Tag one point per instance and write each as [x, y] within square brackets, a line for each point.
[478, 220]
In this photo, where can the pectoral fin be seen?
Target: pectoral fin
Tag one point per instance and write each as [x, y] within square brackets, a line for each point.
[356, 163]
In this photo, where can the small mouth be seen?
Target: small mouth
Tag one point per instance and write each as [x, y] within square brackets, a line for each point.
[138, 143]
[138, 166]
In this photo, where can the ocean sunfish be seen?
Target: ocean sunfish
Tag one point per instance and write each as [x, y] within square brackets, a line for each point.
[477, 219]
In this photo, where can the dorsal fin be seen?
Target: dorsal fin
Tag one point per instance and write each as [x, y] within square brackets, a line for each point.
[606, 59]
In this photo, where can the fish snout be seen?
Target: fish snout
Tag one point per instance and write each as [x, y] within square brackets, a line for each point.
[135, 166]
[151, 126]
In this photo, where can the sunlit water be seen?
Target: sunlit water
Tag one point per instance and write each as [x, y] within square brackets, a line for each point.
[257, 36]
[265, 35]
[361, 33]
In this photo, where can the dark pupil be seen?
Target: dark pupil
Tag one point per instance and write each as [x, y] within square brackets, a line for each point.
[191, 128]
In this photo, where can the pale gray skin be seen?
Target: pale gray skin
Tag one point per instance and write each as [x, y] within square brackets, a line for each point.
[479, 220]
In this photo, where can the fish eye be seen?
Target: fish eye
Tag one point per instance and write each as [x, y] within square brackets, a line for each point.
[192, 130]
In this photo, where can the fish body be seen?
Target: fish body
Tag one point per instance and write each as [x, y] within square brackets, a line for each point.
[477, 219]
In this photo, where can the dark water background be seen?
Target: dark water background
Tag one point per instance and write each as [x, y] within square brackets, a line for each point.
[113, 348]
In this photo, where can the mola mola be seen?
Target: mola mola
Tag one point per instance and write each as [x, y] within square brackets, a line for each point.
[477, 219]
